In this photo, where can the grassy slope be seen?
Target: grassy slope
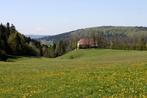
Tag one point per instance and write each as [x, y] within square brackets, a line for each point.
[81, 73]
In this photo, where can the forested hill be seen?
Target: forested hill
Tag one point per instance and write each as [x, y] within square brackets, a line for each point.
[108, 30]
[15, 44]
[108, 37]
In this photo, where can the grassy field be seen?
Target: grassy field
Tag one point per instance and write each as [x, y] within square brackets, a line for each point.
[94, 73]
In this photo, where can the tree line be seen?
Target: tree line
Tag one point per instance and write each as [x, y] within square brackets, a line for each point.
[124, 38]
[12, 43]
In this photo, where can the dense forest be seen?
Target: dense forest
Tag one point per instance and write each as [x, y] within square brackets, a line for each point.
[13, 43]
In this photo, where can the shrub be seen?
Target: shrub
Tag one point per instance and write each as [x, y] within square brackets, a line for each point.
[3, 56]
[71, 57]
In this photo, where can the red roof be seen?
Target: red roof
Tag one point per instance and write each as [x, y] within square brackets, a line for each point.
[86, 42]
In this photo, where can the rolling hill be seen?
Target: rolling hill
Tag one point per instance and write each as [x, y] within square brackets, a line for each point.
[106, 55]
[108, 30]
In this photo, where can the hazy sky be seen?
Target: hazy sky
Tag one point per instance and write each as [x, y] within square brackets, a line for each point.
[58, 16]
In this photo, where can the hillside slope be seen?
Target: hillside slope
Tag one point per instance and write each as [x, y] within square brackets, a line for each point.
[127, 30]
[106, 55]
[16, 44]
[108, 37]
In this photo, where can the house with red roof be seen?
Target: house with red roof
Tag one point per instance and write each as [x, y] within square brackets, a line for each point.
[86, 43]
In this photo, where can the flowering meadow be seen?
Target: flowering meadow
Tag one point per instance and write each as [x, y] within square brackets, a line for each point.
[93, 73]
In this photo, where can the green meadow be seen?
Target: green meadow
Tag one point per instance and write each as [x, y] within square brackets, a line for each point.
[91, 73]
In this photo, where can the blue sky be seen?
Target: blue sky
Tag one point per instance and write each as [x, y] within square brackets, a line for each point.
[58, 16]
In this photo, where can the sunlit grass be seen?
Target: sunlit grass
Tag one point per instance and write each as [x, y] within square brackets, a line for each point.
[78, 74]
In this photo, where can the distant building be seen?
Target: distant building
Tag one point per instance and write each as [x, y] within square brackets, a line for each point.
[86, 43]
